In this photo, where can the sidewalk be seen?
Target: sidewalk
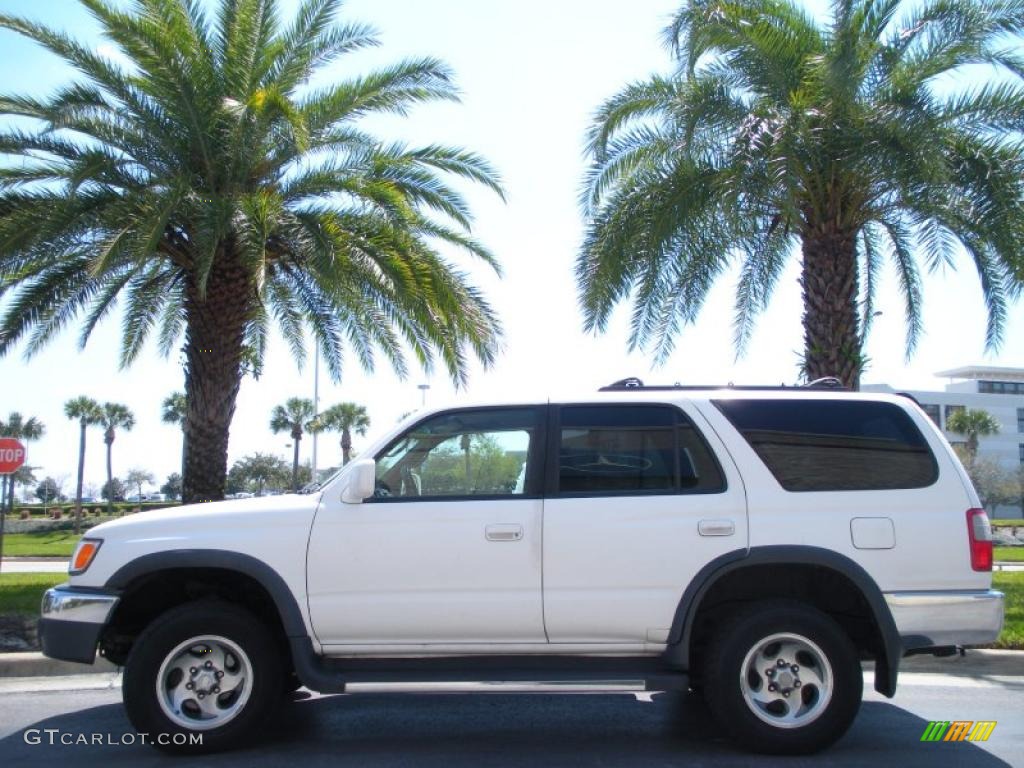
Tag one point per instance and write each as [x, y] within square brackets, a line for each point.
[34, 565]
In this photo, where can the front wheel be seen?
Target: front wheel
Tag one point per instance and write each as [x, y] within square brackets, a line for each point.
[783, 678]
[202, 677]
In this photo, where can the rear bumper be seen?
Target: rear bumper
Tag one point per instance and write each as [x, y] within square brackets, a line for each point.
[71, 622]
[936, 619]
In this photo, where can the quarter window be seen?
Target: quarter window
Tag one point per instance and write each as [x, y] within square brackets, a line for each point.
[481, 453]
[633, 450]
[834, 445]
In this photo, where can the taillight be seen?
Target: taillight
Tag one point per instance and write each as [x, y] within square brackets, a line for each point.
[979, 535]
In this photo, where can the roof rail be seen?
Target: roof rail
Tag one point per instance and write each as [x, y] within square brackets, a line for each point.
[633, 383]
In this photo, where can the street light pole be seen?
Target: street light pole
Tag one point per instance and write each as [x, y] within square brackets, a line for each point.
[423, 392]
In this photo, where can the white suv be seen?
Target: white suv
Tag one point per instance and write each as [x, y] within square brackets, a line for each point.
[752, 544]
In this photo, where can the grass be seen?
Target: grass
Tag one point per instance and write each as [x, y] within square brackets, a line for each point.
[22, 592]
[1012, 585]
[1009, 554]
[40, 544]
[1018, 522]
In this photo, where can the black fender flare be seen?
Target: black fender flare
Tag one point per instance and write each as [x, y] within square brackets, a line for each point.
[284, 600]
[677, 652]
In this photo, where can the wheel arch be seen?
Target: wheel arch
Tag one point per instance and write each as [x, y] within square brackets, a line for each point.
[732, 564]
[175, 576]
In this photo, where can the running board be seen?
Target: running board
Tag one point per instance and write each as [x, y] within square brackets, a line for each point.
[327, 675]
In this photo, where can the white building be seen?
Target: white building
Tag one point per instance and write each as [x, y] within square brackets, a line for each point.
[1000, 391]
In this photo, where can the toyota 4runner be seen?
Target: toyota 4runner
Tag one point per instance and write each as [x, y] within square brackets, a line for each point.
[750, 544]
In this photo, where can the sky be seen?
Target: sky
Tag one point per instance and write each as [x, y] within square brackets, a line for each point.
[531, 74]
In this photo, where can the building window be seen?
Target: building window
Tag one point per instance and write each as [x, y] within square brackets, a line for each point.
[933, 413]
[1021, 449]
[951, 409]
[1020, 419]
[1001, 387]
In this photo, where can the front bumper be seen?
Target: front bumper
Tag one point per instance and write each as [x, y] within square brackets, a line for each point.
[72, 620]
[938, 619]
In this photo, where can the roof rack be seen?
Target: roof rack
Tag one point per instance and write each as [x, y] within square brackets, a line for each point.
[633, 383]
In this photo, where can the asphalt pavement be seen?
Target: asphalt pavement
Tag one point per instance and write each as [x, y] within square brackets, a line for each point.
[496, 729]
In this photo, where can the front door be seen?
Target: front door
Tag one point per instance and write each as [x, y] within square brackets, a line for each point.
[448, 551]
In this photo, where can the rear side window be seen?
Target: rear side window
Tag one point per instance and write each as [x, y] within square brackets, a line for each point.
[623, 449]
[834, 445]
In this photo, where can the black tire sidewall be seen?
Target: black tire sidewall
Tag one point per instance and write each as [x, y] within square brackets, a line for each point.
[175, 627]
[725, 658]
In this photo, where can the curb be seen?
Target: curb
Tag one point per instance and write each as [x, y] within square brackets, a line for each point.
[975, 663]
[36, 665]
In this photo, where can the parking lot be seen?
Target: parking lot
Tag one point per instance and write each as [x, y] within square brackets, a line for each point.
[453, 730]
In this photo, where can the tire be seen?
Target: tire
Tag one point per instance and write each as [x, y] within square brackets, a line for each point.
[230, 659]
[814, 667]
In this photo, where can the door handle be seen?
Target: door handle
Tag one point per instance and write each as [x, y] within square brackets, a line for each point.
[504, 532]
[716, 528]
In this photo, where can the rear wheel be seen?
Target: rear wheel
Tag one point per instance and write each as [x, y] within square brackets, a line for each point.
[202, 677]
[782, 678]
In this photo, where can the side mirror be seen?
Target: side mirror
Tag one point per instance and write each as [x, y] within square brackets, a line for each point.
[360, 482]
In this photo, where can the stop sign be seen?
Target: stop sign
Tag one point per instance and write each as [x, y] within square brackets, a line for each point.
[12, 455]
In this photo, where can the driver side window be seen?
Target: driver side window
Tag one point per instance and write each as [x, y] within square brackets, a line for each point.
[483, 453]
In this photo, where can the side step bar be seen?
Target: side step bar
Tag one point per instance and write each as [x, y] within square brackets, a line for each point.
[333, 675]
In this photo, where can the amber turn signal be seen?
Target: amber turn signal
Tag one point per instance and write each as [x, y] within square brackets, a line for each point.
[83, 556]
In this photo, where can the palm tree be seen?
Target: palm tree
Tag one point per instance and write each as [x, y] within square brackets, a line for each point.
[113, 416]
[215, 191]
[174, 408]
[88, 412]
[778, 130]
[173, 411]
[23, 429]
[294, 417]
[972, 424]
[345, 418]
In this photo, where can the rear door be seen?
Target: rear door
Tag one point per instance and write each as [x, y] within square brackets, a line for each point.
[639, 498]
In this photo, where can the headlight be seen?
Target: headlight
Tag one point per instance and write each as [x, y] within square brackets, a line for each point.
[83, 556]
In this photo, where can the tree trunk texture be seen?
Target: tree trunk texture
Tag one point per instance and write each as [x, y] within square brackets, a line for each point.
[215, 334]
[81, 476]
[108, 438]
[832, 345]
[296, 439]
[346, 446]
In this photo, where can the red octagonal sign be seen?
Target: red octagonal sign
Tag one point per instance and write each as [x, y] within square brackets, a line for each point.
[12, 455]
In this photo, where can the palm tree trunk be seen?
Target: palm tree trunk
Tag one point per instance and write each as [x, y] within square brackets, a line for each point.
[346, 446]
[832, 345]
[109, 440]
[81, 476]
[213, 353]
[295, 464]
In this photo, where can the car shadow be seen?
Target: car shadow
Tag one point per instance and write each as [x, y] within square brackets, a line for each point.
[451, 730]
